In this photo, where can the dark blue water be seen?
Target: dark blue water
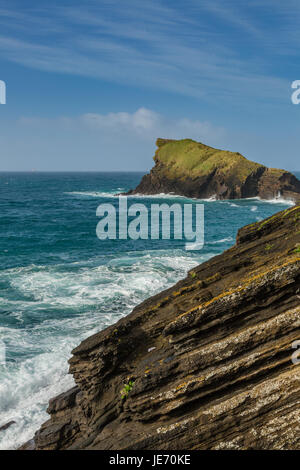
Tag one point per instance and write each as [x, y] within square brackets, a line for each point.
[59, 283]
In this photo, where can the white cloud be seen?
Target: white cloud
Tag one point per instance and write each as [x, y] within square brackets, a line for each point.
[121, 141]
[144, 123]
[141, 121]
[125, 141]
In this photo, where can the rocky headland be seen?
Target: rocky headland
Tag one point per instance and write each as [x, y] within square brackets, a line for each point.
[206, 364]
[192, 169]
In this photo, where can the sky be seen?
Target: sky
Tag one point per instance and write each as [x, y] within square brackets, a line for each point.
[91, 84]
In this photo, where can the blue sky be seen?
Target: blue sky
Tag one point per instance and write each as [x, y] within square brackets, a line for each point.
[91, 84]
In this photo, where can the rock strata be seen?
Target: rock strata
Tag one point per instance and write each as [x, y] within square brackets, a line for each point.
[192, 169]
[209, 360]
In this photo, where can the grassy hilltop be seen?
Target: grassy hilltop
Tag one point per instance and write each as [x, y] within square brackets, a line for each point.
[193, 169]
[190, 158]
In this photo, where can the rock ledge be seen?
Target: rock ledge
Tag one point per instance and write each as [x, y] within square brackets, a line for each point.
[210, 359]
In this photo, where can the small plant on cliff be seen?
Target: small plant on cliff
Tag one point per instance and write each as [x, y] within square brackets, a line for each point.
[268, 246]
[192, 274]
[127, 389]
[297, 249]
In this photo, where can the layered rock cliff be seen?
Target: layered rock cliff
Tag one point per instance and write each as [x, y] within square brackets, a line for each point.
[207, 364]
[192, 169]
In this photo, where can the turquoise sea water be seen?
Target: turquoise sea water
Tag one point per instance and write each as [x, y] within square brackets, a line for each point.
[59, 283]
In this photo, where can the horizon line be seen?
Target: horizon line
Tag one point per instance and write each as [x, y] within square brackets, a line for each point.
[91, 171]
[73, 171]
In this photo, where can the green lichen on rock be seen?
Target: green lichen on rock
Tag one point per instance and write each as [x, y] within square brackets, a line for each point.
[191, 158]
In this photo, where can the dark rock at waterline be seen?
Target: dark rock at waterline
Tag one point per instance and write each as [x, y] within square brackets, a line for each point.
[7, 425]
[209, 360]
[29, 445]
[192, 169]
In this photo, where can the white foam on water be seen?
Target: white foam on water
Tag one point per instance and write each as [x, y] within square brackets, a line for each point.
[93, 193]
[156, 196]
[277, 200]
[65, 306]
[25, 393]
[114, 194]
[231, 204]
[55, 307]
[223, 240]
[170, 196]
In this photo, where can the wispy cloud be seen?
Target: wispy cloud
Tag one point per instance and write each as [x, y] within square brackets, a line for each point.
[207, 49]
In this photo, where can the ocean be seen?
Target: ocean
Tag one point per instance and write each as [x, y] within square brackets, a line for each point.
[59, 283]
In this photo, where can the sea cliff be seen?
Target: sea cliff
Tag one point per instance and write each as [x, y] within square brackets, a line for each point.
[192, 169]
[206, 364]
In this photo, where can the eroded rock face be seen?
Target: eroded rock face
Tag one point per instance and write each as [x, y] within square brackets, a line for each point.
[192, 169]
[210, 359]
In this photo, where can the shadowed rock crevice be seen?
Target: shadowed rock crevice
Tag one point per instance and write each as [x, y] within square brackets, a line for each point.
[210, 358]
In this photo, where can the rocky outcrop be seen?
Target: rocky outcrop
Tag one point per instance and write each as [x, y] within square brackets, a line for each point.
[192, 169]
[7, 425]
[206, 364]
